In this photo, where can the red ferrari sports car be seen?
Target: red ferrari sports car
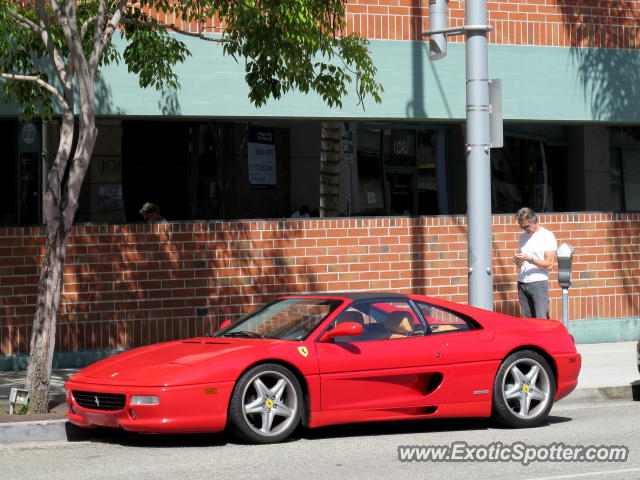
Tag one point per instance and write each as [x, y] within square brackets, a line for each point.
[327, 359]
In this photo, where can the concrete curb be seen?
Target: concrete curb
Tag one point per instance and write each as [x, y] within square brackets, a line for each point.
[624, 392]
[38, 431]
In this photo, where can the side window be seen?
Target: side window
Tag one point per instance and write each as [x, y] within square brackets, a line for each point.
[441, 320]
[351, 314]
[382, 321]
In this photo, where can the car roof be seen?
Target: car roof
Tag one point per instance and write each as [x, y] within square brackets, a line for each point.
[355, 295]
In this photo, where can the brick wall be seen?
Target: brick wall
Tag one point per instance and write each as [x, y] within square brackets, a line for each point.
[128, 285]
[563, 23]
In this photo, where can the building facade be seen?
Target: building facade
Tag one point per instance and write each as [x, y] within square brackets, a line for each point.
[206, 156]
[570, 122]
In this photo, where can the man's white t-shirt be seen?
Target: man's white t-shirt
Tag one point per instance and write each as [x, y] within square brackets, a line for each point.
[534, 245]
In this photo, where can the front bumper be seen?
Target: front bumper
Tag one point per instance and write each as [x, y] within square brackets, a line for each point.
[182, 409]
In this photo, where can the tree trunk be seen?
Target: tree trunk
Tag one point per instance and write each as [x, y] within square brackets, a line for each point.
[61, 203]
[44, 325]
[329, 168]
[51, 270]
[59, 225]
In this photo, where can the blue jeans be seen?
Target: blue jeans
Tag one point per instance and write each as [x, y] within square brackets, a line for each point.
[534, 299]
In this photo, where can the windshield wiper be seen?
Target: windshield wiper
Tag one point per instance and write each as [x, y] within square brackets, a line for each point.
[244, 333]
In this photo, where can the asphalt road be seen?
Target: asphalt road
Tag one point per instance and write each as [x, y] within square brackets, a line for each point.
[345, 452]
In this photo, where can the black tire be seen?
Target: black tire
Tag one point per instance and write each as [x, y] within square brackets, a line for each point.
[523, 391]
[266, 404]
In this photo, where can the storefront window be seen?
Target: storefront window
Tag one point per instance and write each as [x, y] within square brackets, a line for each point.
[370, 171]
[398, 171]
[631, 168]
[400, 148]
[521, 176]
[9, 178]
[428, 155]
[625, 178]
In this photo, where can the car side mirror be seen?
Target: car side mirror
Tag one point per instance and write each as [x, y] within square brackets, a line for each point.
[224, 324]
[345, 329]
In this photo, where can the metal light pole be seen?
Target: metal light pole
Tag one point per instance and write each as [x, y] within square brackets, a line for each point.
[478, 141]
[478, 158]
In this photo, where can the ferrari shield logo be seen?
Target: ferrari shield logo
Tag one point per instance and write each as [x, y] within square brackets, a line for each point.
[303, 351]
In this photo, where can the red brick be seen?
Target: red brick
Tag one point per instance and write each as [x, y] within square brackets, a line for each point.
[146, 280]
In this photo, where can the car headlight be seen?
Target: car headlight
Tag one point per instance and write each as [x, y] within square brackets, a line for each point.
[145, 400]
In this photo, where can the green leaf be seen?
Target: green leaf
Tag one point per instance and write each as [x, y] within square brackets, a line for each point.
[284, 44]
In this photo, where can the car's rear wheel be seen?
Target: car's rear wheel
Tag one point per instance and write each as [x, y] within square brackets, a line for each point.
[266, 404]
[523, 390]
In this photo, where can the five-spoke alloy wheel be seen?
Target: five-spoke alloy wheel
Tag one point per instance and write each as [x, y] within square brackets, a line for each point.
[523, 390]
[266, 404]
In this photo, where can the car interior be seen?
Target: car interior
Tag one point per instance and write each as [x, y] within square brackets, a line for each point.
[395, 320]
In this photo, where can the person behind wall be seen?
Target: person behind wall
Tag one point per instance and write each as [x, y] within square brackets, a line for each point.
[534, 259]
[151, 213]
[302, 212]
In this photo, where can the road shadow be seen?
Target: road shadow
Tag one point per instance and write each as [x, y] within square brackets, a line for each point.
[434, 425]
[140, 440]
[392, 428]
[427, 426]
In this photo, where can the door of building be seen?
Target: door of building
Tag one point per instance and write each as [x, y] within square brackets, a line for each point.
[400, 185]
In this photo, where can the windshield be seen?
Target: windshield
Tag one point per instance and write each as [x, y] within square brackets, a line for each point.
[288, 319]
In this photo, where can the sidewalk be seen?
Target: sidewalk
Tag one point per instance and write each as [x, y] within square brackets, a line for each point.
[608, 372]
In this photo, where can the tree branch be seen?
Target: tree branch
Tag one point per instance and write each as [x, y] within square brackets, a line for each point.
[45, 35]
[199, 35]
[172, 26]
[37, 80]
[102, 12]
[24, 21]
[102, 41]
[85, 26]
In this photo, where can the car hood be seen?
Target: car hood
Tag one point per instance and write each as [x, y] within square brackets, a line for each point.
[164, 364]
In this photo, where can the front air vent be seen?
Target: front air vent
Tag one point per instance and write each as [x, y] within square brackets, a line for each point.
[99, 401]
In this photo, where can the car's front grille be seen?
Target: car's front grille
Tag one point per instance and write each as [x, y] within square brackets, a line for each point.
[99, 401]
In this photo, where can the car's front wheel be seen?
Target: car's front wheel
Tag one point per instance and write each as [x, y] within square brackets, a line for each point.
[523, 390]
[266, 404]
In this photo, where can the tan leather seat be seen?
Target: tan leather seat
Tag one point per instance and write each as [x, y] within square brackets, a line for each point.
[399, 324]
[350, 316]
[442, 328]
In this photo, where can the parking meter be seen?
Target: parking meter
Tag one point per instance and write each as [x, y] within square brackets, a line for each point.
[565, 257]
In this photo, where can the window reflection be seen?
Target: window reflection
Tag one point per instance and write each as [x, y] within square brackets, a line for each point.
[521, 176]
[398, 171]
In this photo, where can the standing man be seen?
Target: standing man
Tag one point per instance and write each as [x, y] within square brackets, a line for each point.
[535, 258]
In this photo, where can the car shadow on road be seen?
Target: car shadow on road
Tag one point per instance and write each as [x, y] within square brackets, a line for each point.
[417, 426]
[141, 440]
[138, 440]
